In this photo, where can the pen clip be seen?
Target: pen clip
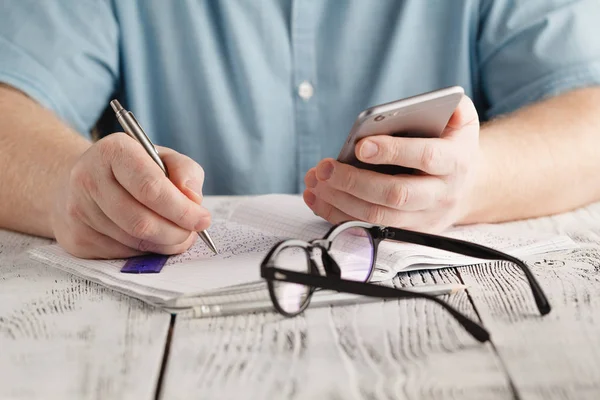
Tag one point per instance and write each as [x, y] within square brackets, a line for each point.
[141, 131]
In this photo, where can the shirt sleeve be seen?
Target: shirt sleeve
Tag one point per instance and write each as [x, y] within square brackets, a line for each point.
[64, 54]
[529, 50]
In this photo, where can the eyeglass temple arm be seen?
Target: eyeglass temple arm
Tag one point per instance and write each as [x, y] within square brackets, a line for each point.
[471, 250]
[371, 290]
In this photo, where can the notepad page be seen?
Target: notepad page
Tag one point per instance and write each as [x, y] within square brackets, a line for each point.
[242, 248]
[408, 257]
[288, 216]
[252, 228]
[281, 215]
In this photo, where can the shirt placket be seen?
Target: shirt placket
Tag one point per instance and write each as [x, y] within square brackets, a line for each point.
[303, 32]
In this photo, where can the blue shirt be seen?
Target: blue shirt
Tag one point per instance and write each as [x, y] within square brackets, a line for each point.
[258, 91]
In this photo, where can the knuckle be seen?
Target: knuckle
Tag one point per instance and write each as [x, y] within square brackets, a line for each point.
[375, 214]
[139, 163]
[110, 146]
[327, 211]
[449, 200]
[151, 190]
[145, 246]
[73, 209]
[430, 156]
[351, 182]
[76, 176]
[142, 228]
[397, 195]
[185, 216]
[82, 178]
[76, 240]
[396, 153]
[79, 241]
[184, 167]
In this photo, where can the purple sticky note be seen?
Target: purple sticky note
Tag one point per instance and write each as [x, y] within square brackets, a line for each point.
[150, 264]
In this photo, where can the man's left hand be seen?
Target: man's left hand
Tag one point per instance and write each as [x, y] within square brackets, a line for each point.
[429, 201]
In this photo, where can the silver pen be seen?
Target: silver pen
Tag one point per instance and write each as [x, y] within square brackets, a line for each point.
[134, 129]
[320, 298]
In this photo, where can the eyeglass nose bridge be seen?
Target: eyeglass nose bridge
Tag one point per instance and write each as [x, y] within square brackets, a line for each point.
[318, 244]
[323, 244]
[329, 264]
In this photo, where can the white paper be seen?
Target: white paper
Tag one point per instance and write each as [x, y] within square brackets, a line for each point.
[252, 228]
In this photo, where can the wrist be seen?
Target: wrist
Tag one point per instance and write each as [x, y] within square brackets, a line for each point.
[474, 202]
[61, 174]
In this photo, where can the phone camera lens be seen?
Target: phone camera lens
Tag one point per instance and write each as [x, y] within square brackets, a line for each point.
[379, 118]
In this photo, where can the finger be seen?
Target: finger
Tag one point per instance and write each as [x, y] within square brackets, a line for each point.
[99, 222]
[465, 116]
[325, 210]
[401, 192]
[134, 218]
[422, 221]
[430, 155]
[137, 173]
[358, 209]
[186, 174]
[354, 207]
[88, 243]
[310, 179]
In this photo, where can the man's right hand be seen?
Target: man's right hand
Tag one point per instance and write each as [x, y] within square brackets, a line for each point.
[116, 202]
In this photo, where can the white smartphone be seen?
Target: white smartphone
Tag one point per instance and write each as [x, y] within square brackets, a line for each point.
[425, 115]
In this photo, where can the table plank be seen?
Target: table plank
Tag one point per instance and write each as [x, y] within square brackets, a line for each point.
[556, 356]
[63, 337]
[393, 350]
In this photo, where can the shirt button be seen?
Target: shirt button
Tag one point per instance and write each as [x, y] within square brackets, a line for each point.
[306, 90]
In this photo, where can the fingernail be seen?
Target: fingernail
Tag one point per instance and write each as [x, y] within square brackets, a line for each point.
[311, 179]
[194, 186]
[325, 170]
[368, 149]
[310, 198]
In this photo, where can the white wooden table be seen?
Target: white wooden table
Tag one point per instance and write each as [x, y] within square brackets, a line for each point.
[62, 337]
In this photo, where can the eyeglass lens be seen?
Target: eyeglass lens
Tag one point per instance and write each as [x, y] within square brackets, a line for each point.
[292, 297]
[353, 251]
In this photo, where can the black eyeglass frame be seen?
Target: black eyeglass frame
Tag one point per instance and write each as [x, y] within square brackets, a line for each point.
[377, 234]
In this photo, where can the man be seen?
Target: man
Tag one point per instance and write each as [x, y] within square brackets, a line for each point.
[260, 95]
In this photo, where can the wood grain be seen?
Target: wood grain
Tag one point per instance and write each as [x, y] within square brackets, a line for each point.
[65, 338]
[392, 350]
[556, 356]
[61, 337]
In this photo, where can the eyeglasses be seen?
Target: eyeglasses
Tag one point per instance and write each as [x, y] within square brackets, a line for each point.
[348, 254]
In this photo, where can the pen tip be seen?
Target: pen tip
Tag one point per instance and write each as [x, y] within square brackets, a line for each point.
[207, 239]
[116, 106]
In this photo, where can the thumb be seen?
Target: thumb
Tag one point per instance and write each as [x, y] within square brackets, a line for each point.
[465, 116]
[184, 172]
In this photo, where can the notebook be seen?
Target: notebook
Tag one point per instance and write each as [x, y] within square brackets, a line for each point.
[245, 230]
